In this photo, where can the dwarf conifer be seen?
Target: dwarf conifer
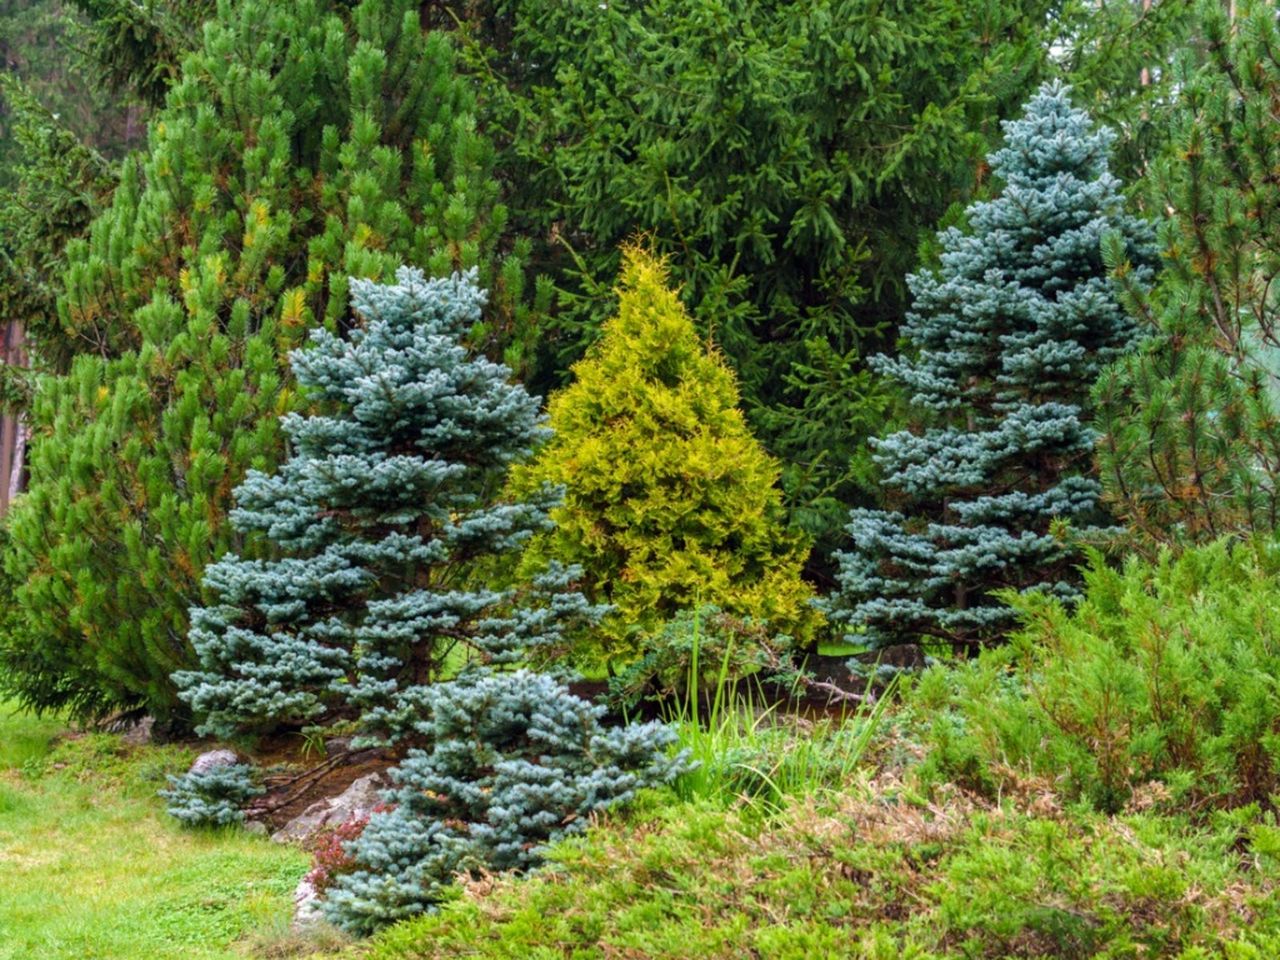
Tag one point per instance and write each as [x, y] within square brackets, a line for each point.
[381, 516]
[512, 762]
[669, 499]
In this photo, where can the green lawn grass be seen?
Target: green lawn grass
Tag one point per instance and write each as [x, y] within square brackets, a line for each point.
[91, 868]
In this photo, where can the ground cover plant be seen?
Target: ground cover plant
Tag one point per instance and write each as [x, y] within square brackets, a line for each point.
[876, 873]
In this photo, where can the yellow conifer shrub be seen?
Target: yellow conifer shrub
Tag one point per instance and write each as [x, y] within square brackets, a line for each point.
[669, 501]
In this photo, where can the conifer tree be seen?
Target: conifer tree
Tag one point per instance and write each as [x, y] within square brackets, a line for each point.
[511, 762]
[1192, 422]
[1007, 339]
[304, 143]
[669, 500]
[384, 516]
[789, 156]
[380, 514]
[55, 188]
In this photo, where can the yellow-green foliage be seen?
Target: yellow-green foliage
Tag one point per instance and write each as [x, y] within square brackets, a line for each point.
[669, 500]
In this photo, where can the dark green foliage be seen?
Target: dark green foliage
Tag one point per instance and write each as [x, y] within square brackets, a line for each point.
[212, 798]
[139, 44]
[56, 186]
[43, 44]
[1007, 338]
[305, 143]
[700, 651]
[785, 155]
[789, 157]
[1117, 58]
[1159, 687]
[1192, 424]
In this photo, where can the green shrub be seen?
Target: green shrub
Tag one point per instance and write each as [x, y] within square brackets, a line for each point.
[1160, 683]
[304, 144]
[214, 797]
[696, 651]
[669, 500]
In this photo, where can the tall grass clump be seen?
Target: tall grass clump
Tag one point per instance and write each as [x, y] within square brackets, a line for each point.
[745, 749]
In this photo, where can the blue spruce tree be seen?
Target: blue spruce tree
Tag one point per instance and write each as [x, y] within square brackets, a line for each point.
[513, 762]
[1006, 340]
[382, 515]
[390, 533]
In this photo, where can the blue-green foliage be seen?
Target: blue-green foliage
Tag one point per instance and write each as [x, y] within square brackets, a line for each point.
[1008, 337]
[213, 797]
[390, 530]
[381, 514]
[515, 762]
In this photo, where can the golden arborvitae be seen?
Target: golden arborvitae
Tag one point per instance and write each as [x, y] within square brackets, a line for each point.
[669, 501]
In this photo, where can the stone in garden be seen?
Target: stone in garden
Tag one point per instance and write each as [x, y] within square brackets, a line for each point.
[139, 734]
[306, 906]
[358, 800]
[212, 760]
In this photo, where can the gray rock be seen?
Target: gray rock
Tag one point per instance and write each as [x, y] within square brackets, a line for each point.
[335, 745]
[214, 759]
[256, 827]
[139, 734]
[306, 906]
[358, 800]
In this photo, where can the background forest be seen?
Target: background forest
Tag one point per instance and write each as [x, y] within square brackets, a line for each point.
[685, 432]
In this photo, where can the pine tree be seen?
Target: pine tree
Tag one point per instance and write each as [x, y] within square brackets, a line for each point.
[1192, 422]
[1008, 337]
[305, 143]
[669, 500]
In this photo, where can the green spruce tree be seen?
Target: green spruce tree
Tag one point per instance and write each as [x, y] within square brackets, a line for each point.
[1006, 342]
[305, 143]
